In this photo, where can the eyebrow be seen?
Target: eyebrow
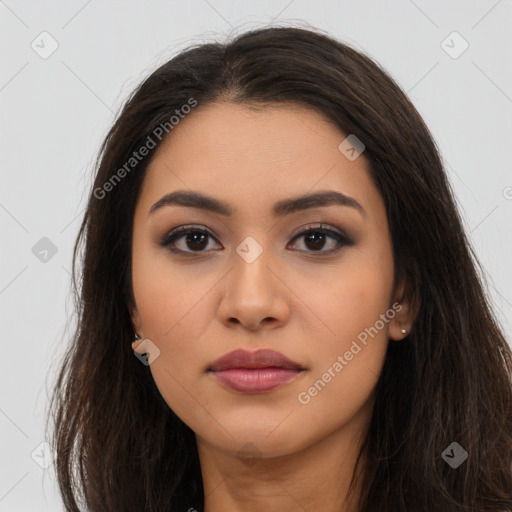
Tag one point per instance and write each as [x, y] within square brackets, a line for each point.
[280, 209]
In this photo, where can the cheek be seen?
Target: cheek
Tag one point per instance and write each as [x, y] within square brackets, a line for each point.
[173, 325]
[173, 303]
[171, 298]
[355, 311]
[347, 365]
[354, 300]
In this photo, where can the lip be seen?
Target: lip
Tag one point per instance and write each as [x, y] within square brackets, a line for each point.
[254, 372]
[257, 380]
[262, 358]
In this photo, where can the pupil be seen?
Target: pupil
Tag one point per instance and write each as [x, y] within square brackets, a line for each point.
[320, 239]
[196, 237]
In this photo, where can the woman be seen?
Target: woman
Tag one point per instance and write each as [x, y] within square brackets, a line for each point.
[272, 234]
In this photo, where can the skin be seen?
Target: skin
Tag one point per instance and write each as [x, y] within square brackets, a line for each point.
[197, 306]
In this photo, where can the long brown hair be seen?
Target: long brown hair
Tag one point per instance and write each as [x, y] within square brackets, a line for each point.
[120, 447]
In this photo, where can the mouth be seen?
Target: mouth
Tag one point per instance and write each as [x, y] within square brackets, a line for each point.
[254, 372]
[255, 380]
[259, 359]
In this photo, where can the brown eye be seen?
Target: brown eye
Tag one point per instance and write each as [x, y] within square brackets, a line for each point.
[316, 238]
[190, 239]
[194, 239]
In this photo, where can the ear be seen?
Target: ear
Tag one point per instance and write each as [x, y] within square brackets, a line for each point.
[137, 325]
[406, 310]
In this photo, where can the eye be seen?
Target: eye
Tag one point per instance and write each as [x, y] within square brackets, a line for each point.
[196, 239]
[315, 239]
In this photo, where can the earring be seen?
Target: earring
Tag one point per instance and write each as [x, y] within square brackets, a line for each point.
[136, 337]
[403, 331]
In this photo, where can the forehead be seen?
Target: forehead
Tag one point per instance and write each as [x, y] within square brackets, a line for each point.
[254, 157]
[251, 133]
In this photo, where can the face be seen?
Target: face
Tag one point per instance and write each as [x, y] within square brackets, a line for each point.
[314, 282]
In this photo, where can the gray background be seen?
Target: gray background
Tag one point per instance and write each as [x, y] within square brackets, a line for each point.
[56, 110]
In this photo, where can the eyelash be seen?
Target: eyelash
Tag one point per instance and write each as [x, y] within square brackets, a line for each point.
[340, 238]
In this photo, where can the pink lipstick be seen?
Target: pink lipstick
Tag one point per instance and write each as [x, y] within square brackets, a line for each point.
[254, 372]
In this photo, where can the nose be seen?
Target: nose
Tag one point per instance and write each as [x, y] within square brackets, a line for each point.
[254, 294]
